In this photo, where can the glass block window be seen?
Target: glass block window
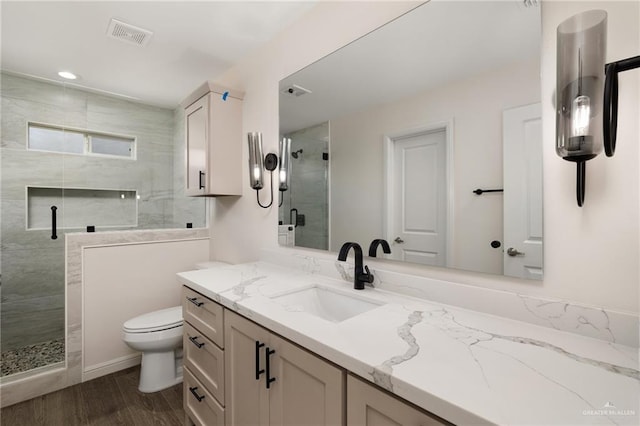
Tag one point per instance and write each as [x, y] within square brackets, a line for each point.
[73, 141]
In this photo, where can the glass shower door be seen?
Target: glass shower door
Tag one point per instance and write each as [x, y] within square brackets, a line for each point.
[32, 244]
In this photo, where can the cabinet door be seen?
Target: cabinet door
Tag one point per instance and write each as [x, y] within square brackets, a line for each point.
[367, 405]
[307, 389]
[246, 398]
[196, 138]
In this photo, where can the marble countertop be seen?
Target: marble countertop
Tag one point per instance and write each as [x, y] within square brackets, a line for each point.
[464, 366]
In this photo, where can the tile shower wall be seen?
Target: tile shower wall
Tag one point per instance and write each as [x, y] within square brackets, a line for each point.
[32, 264]
[308, 187]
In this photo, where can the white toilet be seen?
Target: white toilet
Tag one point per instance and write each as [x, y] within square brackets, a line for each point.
[158, 335]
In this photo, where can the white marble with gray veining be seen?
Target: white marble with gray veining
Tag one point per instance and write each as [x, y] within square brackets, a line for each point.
[465, 366]
[609, 325]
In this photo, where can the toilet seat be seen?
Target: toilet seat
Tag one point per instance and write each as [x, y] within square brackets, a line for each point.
[163, 319]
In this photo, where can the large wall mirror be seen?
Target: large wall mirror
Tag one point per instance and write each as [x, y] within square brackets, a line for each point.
[393, 135]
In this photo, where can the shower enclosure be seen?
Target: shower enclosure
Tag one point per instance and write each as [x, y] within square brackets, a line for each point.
[305, 203]
[74, 161]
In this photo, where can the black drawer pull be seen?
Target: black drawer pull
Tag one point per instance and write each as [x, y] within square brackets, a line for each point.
[195, 342]
[194, 300]
[258, 370]
[198, 397]
[269, 378]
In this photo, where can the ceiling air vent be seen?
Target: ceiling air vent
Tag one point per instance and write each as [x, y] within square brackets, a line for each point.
[295, 90]
[128, 33]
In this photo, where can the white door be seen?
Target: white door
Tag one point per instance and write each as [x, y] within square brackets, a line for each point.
[522, 140]
[418, 197]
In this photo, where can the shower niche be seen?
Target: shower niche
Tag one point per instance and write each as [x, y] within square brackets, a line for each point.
[78, 208]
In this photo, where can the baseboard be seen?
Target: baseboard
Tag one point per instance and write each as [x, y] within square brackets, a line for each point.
[104, 368]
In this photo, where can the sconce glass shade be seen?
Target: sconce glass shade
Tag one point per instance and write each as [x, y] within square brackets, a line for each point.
[580, 85]
[256, 161]
[285, 154]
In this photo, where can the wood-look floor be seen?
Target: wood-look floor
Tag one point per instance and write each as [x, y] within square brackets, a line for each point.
[109, 400]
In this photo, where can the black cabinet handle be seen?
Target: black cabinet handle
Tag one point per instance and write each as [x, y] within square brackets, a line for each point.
[54, 226]
[269, 378]
[258, 370]
[195, 341]
[198, 397]
[194, 300]
[200, 184]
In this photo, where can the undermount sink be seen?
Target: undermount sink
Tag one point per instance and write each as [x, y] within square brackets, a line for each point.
[326, 303]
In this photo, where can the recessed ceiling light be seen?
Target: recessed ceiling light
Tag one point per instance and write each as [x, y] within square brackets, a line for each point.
[68, 75]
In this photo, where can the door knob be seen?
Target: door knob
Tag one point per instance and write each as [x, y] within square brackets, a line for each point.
[399, 240]
[513, 252]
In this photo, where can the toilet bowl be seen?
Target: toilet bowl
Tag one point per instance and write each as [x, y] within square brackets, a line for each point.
[158, 335]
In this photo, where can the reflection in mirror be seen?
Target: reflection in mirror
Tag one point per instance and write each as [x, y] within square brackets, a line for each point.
[305, 203]
[414, 117]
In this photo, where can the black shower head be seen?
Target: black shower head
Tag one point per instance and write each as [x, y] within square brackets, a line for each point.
[295, 154]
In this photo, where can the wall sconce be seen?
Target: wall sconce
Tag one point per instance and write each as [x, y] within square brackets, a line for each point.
[257, 163]
[586, 98]
[285, 153]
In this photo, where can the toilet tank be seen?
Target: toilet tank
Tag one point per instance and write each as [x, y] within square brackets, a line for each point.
[211, 264]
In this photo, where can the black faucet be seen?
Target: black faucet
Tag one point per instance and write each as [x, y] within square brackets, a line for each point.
[359, 276]
[374, 246]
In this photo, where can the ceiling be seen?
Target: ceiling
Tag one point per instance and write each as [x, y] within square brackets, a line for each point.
[192, 42]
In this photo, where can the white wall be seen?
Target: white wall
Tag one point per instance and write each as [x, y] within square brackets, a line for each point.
[591, 254]
[475, 107]
[123, 281]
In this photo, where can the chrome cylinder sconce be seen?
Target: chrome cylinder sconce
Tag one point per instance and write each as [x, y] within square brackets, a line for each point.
[257, 163]
[285, 164]
[579, 90]
[586, 92]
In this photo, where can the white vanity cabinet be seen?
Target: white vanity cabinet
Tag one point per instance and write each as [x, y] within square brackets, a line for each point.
[302, 388]
[213, 141]
[238, 373]
[226, 368]
[369, 406]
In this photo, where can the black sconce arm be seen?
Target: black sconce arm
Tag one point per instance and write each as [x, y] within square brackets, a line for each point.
[610, 117]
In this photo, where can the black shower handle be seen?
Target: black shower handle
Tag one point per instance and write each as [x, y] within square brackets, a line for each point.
[54, 231]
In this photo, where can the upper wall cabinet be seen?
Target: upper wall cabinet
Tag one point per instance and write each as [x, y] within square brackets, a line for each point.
[213, 140]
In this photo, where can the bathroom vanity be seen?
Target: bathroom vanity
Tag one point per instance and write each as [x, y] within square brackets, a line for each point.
[242, 373]
[267, 344]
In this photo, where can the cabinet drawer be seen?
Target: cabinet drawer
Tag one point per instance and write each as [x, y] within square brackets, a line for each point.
[205, 361]
[204, 314]
[200, 406]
